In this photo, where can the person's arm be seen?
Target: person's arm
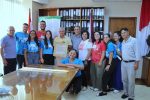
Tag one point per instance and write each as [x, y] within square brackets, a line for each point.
[89, 54]
[41, 56]
[25, 57]
[110, 61]
[102, 58]
[136, 54]
[2, 55]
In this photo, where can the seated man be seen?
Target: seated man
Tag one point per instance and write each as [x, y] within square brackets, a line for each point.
[73, 62]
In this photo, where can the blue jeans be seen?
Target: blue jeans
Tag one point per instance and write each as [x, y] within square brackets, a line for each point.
[33, 58]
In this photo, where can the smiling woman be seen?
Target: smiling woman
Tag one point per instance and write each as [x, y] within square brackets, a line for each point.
[14, 13]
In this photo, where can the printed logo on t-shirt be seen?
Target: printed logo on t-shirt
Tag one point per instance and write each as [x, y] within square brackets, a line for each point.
[81, 46]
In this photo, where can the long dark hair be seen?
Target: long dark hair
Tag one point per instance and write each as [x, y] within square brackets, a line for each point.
[119, 34]
[35, 38]
[50, 39]
[100, 38]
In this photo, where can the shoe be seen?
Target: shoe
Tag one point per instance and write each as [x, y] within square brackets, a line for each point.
[116, 91]
[110, 89]
[124, 96]
[102, 94]
[130, 99]
[91, 88]
[95, 89]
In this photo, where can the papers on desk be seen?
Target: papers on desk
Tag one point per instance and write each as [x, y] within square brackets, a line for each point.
[5, 90]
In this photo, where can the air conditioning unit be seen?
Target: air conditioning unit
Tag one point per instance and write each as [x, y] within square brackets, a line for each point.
[41, 1]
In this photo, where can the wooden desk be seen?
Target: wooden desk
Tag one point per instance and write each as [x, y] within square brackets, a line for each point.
[146, 70]
[44, 83]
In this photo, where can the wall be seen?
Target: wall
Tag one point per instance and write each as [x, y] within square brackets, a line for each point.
[35, 13]
[113, 9]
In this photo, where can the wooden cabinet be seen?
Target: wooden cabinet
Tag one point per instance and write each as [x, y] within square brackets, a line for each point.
[146, 70]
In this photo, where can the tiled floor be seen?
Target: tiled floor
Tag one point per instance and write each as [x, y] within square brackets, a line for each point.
[142, 92]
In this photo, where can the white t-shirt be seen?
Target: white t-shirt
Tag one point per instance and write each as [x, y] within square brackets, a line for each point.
[83, 49]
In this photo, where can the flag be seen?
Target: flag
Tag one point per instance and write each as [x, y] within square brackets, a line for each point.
[144, 28]
[29, 21]
[91, 29]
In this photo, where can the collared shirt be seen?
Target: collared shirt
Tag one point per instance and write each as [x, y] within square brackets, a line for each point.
[9, 45]
[76, 61]
[31, 47]
[111, 48]
[76, 39]
[21, 39]
[129, 51]
[45, 50]
[61, 46]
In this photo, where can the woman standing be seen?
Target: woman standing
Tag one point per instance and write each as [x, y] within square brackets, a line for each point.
[97, 64]
[118, 85]
[32, 49]
[46, 51]
[85, 47]
[107, 79]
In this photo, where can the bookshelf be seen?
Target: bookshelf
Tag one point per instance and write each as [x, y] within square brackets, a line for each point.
[79, 16]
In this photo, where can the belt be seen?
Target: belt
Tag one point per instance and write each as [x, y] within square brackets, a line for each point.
[129, 61]
[33, 52]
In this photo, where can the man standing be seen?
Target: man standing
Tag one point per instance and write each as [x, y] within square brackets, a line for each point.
[129, 64]
[62, 44]
[21, 38]
[41, 33]
[76, 38]
[8, 51]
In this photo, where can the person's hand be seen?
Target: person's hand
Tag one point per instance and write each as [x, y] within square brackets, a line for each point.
[5, 62]
[135, 66]
[42, 60]
[107, 67]
[100, 64]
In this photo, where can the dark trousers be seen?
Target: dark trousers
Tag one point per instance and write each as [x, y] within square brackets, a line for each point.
[11, 65]
[86, 80]
[20, 61]
[48, 59]
[75, 85]
[107, 78]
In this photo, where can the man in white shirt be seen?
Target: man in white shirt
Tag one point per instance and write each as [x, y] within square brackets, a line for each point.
[129, 64]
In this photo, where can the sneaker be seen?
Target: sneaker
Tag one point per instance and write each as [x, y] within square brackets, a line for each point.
[102, 94]
[91, 88]
[116, 91]
[95, 89]
[124, 96]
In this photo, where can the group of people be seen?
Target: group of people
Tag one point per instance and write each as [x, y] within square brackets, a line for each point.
[106, 62]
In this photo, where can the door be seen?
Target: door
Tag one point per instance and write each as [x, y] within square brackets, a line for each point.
[116, 23]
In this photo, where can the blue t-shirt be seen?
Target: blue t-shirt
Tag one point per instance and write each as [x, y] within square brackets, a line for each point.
[48, 50]
[32, 47]
[118, 46]
[21, 39]
[76, 61]
[111, 48]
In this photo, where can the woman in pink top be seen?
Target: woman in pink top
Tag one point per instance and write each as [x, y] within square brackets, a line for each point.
[97, 64]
